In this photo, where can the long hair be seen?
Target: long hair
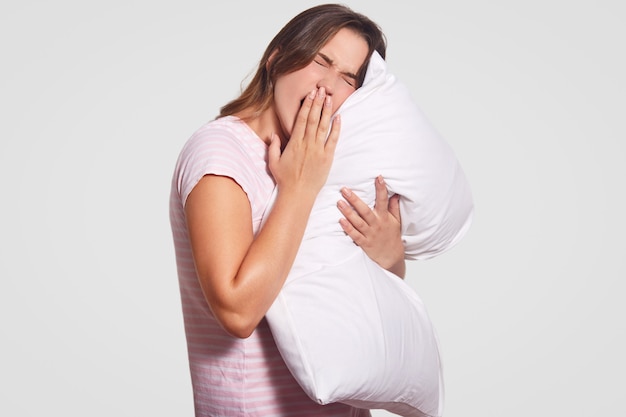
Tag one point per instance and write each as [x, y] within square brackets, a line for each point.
[297, 44]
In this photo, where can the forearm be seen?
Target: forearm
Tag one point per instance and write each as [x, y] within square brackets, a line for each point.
[239, 303]
[270, 256]
[241, 274]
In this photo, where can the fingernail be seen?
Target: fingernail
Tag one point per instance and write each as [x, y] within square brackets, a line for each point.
[312, 94]
[346, 192]
[380, 179]
[321, 92]
[328, 101]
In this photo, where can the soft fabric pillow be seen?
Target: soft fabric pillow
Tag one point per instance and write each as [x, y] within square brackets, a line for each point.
[348, 330]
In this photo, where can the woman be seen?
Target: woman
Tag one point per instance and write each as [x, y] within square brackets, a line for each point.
[278, 133]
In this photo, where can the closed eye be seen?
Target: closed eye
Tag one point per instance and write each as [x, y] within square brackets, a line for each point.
[350, 81]
[326, 62]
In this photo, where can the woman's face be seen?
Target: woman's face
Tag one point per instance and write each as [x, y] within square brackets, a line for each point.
[335, 68]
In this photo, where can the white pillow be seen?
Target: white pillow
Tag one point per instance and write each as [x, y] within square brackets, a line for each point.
[348, 330]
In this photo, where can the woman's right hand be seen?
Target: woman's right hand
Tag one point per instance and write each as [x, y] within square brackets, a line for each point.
[304, 164]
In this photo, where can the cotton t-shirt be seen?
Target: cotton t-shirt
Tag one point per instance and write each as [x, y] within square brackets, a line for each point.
[232, 376]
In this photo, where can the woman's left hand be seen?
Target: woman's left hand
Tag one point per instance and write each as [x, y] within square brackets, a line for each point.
[377, 231]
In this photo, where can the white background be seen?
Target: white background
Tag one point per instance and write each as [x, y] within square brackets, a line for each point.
[98, 97]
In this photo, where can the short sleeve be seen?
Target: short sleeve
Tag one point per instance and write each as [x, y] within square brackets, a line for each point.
[222, 149]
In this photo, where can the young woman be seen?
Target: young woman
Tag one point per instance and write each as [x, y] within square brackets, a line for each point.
[278, 133]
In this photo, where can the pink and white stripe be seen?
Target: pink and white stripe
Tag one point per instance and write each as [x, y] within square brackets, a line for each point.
[232, 376]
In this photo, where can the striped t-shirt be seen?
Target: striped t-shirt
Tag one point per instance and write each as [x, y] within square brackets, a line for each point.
[232, 376]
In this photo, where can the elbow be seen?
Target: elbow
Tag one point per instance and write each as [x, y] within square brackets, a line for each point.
[239, 332]
[236, 317]
[237, 326]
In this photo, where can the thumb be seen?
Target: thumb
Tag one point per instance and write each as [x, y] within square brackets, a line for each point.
[273, 153]
[394, 206]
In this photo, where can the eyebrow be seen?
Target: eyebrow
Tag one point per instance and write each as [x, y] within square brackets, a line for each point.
[330, 62]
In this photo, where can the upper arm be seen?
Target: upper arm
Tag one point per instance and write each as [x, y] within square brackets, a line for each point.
[220, 229]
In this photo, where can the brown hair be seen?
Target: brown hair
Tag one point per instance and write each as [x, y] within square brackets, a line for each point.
[297, 44]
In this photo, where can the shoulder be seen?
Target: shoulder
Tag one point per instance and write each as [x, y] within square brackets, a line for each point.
[226, 132]
[224, 139]
[225, 147]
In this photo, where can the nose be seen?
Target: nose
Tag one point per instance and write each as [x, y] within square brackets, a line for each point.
[328, 82]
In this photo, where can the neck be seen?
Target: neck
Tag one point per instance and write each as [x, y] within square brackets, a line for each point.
[264, 124]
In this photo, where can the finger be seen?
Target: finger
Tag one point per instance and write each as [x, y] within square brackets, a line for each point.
[394, 206]
[352, 232]
[302, 118]
[352, 216]
[382, 196]
[313, 119]
[273, 153]
[359, 206]
[324, 123]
